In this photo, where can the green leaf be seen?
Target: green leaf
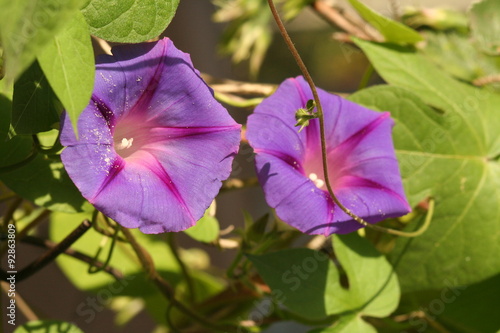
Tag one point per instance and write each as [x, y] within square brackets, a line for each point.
[299, 278]
[14, 151]
[393, 31]
[43, 180]
[255, 231]
[5, 117]
[129, 21]
[458, 56]
[35, 107]
[207, 228]
[444, 156]
[470, 309]
[26, 26]
[373, 285]
[68, 64]
[308, 283]
[471, 110]
[348, 324]
[47, 326]
[485, 25]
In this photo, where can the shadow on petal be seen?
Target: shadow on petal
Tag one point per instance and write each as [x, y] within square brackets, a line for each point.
[264, 174]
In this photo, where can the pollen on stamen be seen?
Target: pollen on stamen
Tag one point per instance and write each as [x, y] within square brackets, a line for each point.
[318, 182]
[125, 144]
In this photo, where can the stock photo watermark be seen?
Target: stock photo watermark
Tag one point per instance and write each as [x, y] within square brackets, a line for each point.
[436, 306]
[96, 304]
[11, 280]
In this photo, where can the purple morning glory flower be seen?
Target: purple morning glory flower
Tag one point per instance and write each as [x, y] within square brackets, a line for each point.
[361, 160]
[154, 144]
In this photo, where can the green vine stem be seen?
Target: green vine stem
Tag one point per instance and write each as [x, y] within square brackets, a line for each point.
[319, 111]
[93, 268]
[98, 217]
[185, 270]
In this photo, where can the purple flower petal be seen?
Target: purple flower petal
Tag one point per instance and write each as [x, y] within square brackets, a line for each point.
[153, 145]
[361, 161]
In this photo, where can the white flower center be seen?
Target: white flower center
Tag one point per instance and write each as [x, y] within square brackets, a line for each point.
[317, 181]
[125, 144]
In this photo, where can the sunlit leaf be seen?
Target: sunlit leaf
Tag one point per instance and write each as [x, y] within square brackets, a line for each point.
[373, 286]
[26, 26]
[206, 229]
[129, 21]
[450, 155]
[47, 326]
[392, 31]
[68, 64]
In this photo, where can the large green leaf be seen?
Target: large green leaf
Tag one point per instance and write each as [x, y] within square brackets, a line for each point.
[68, 64]
[129, 21]
[471, 111]
[35, 107]
[26, 26]
[485, 24]
[373, 285]
[309, 284]
[444, 156]
[392, 31]
[47, 326]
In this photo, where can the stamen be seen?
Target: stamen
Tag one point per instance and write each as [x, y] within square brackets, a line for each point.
[126, 143]
[318, 182]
